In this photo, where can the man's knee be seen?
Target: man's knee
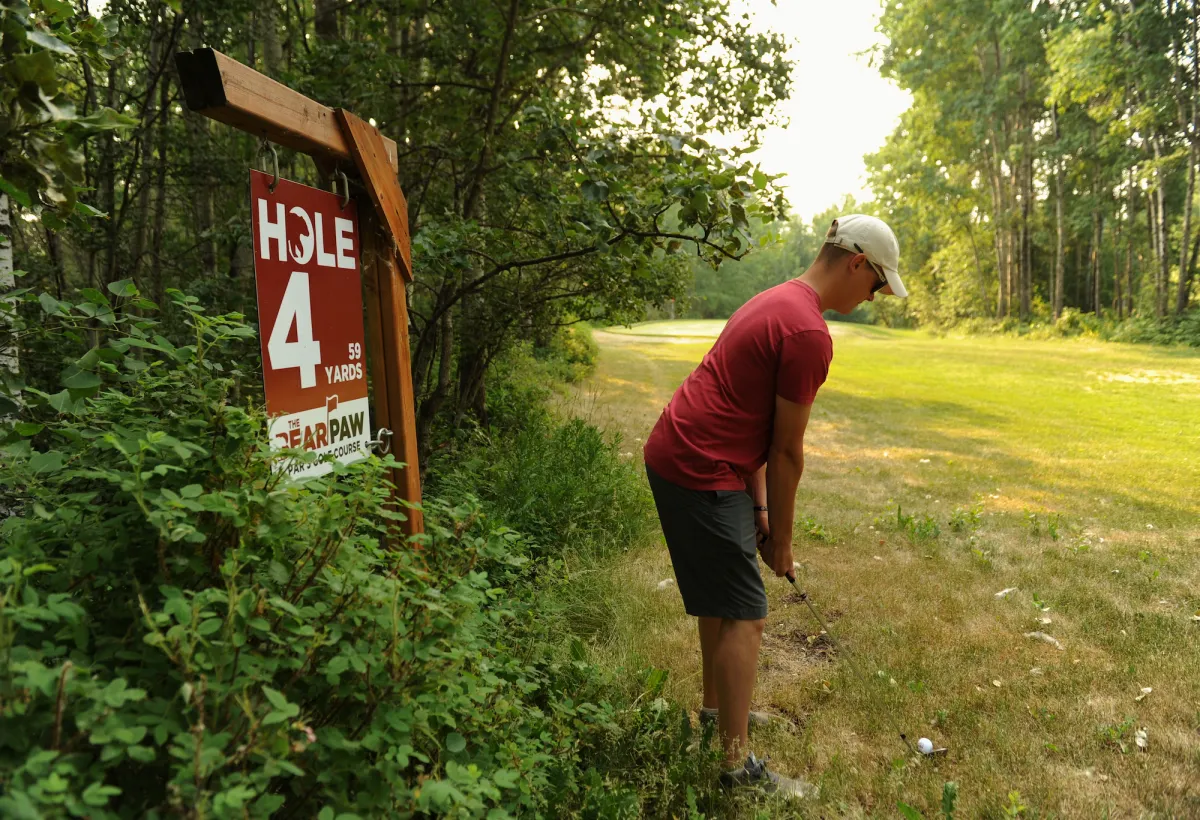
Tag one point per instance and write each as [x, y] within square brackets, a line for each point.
[750, 627]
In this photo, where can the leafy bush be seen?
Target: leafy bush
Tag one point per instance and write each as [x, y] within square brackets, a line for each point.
[183, 631]
[564, 485]
[571, 353]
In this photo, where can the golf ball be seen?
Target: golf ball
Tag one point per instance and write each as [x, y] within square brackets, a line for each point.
[925, 746]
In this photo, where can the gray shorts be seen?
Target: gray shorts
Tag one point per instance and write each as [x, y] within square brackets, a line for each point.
[710, 534]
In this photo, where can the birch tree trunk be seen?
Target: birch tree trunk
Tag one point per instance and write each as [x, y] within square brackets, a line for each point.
[8, 355]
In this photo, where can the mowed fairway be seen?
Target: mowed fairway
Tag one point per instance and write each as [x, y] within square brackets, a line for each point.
[1069, 470]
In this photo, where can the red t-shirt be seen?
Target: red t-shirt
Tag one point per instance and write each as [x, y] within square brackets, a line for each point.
[716, 431]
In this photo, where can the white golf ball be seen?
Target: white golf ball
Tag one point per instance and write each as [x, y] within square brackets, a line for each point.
[925, 746]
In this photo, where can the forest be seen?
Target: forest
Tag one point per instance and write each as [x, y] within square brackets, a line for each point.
[184, 631]
[1047, 165]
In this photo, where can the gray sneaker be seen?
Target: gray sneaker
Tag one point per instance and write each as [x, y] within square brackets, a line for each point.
[754, 774]
[757, 719]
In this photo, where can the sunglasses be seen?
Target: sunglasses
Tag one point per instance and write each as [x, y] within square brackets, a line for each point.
[882, 283]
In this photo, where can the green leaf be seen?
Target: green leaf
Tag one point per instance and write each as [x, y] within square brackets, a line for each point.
[104, 119]
[455, 743]
[209, 626]
[49, 462]
[50, 305]
[594, 191]
[505, 778]
[909, 812]
[83, 209]
[97, 794]
[738, 214]
[20, 197]
[28, 428]
[123, 288]
[82, 380]
[949, 798]
[760, 180]
[36, 68]
[179, 609]
[277, 698]
[191, 491]
[94, 296]
[64, 402]
[58, 10]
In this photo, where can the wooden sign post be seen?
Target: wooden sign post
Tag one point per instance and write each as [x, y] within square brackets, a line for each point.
[223, 89]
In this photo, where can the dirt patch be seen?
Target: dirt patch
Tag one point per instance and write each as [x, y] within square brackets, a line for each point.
[788, 649]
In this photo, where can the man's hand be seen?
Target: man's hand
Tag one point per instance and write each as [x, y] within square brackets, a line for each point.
[777, 552]
[762, 527]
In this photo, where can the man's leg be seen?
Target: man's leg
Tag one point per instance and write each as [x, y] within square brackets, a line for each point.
[710, 629]
[735, 664]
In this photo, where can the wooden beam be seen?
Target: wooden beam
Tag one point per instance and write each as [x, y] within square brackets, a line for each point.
[366, 144]
[221, 88]
[391, 368]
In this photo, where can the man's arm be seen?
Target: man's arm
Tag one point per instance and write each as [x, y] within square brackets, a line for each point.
[785, 465]
[757, 488]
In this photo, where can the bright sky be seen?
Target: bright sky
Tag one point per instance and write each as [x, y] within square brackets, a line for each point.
[823, 164]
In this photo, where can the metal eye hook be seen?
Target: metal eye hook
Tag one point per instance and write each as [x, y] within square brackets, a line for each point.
[264, 146]
[338, 173]
[383, 443]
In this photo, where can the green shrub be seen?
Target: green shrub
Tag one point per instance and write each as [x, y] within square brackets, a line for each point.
[183, 631]
[571, 353]
[564, 485]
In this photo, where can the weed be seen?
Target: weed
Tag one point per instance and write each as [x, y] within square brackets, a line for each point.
[1033, 523]
[1015, 807]
[923, 528]
[949, 799]
[1116, 734]
[966, 519]
[982, 557]
[814, 529]
[1054, 523]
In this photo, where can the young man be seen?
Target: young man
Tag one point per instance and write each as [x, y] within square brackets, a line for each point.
[726, 456]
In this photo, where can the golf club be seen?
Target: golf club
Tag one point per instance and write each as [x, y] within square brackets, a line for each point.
[791, 576]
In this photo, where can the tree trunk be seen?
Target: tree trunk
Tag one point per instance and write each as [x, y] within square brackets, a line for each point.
[1181, 293]
[1097, 239]
[160, 197]
[326, 19]
[1163, 247]
[8, 355]
[1129, 239]
[1058, 245]
[54, 255]
[268, 21]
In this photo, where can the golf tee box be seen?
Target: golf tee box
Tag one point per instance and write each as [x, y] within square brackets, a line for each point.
[307, 248]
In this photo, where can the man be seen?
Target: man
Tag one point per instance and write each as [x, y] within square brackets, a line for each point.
[726, 456]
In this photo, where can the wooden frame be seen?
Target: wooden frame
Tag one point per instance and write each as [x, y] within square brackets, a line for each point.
[223, 89]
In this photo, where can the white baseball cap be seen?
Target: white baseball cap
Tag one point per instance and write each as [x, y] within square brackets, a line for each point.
[859, 233]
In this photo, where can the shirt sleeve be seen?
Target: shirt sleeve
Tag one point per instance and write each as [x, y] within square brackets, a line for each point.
[803, 365]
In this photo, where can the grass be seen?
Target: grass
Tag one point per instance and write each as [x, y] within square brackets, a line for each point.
[939, 472]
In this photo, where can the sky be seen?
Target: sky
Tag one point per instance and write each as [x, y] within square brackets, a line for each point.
[822, 165]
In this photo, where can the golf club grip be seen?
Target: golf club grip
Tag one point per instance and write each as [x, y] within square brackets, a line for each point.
[791, 576]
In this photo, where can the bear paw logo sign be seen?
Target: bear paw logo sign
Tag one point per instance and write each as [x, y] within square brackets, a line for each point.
[306, 254]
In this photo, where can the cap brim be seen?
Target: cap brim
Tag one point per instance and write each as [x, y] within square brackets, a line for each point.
[895, 284]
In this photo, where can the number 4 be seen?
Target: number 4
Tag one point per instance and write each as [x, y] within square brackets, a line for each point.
[305, 352]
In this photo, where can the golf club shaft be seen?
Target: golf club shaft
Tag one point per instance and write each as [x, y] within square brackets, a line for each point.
[791, 576]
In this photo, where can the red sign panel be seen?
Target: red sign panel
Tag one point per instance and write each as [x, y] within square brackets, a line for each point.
[310, 316]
